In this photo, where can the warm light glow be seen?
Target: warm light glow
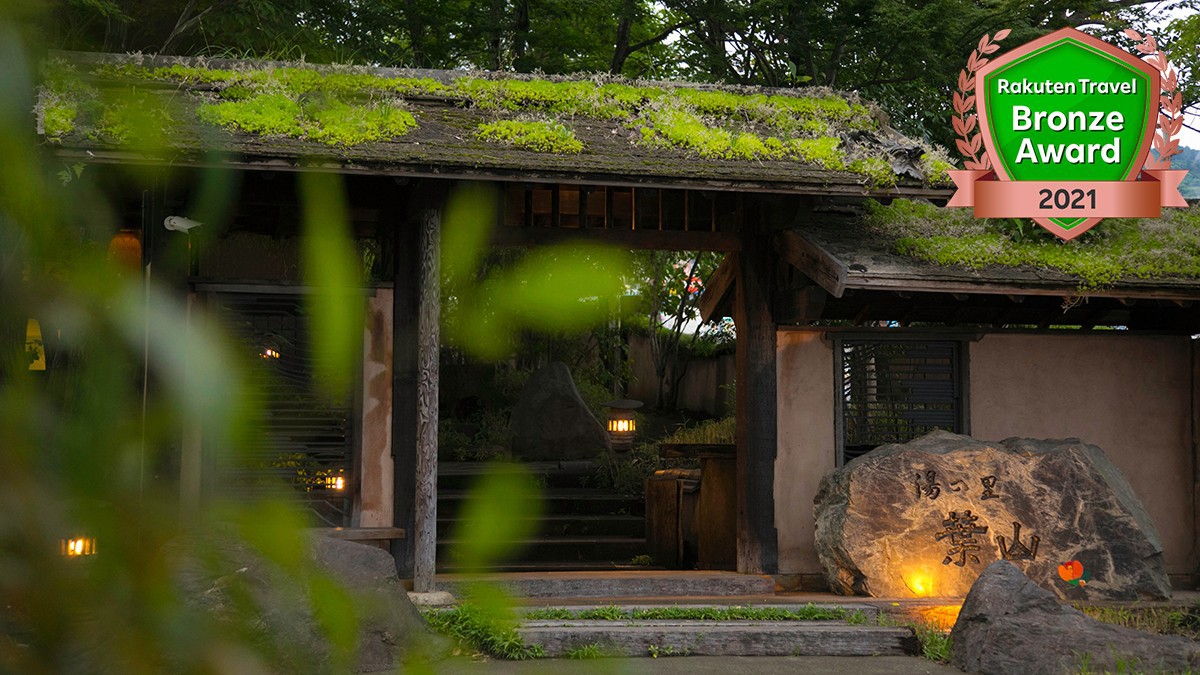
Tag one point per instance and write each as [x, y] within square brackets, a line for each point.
[125, 249]
[941, 617]
[269, 353]
[335, 482]
[35, 348]
[920, 584]
[622, 426]
[78, 546]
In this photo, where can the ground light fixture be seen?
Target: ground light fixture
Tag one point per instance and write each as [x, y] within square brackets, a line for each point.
[77, 547]
[622, 425]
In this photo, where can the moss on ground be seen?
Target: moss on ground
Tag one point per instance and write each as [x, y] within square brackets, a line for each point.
[1114, 249]
[346, 107]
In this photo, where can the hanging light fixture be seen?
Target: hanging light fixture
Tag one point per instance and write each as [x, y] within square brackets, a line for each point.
[76, 547]
[125, 249]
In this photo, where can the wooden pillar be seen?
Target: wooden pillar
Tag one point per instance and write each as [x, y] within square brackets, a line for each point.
[405, 303]
[428, 342]
[757, 546]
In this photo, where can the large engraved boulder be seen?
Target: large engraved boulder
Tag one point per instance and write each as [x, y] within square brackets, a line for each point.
[924, 518]
[551, 421]
[1008, 624]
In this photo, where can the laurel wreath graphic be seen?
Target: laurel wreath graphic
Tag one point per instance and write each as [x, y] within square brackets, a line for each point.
[1170, 101]
[966, 122]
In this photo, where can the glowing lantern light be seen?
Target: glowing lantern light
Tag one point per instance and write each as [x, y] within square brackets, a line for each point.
[622, 425]
[75, 547]
[34, 346]
[337, 482]
[125, 249]
[920, 583]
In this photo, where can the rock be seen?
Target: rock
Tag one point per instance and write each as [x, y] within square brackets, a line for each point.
[1008, 624]
[924, 518]
[551, 421]
[219, 574]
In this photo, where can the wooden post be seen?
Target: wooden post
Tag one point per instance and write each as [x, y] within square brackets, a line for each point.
[428, 343]
[757, 546]
[405, 303]
[417, 336]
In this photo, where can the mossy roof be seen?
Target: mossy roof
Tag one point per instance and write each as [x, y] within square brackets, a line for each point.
[915, 246]
[480, 125]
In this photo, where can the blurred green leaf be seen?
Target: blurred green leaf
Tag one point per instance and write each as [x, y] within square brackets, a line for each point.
[501, 510]
[333, 268]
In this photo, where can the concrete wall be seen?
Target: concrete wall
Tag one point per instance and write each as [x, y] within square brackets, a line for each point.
[1131, 395]
[373, 508]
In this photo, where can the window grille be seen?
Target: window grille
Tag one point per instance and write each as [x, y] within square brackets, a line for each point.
[892, 391]
[303, 451]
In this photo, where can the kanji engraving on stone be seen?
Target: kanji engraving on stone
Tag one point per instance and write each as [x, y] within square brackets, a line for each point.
[959, 482]
[928, 485]
[961, 529]
[1018, 550]
[989, 486]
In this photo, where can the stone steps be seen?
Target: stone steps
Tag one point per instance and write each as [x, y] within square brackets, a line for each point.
[570, 525]
[610, 549]
[618, 583]
[720, 638]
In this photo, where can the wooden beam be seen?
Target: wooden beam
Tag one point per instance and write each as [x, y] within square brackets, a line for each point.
[669, 240]
[719, 289]
[800, 305]
[815, 262]
[757, 400]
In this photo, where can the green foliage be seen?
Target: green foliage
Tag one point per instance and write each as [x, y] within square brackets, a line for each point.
[586, 652]
[723, 430]
[1184, 621]
[332, 122]
[1115, 249]
[484, 631]
[537, 135]
[553, 289]
[627, 473]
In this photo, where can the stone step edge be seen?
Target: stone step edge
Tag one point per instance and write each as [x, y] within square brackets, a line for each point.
[868, 610]
[708, 638]
[599, 584]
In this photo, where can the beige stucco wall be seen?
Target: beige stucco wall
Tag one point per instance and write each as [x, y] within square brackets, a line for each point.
[1130, 395]
[374, 504]
[805, 438]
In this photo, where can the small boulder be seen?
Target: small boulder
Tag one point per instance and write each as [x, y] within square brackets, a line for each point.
[551, 421]
[1009, 624]
[228, 579]
[925, 517]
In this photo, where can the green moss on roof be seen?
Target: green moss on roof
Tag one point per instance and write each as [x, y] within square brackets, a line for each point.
[536, 135]
[1113, 250]
[346, 108]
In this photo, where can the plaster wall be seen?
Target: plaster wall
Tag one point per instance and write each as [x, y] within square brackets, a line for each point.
[1131, 395]
[700, 389]
[375, 479]
[806, 442]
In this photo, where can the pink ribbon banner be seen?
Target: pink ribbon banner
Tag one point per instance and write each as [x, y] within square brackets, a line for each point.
[994, 198]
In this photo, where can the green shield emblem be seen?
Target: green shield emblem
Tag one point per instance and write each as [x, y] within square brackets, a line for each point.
[1067, 107]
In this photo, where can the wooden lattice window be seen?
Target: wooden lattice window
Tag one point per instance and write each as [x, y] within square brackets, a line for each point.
[895, 390]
